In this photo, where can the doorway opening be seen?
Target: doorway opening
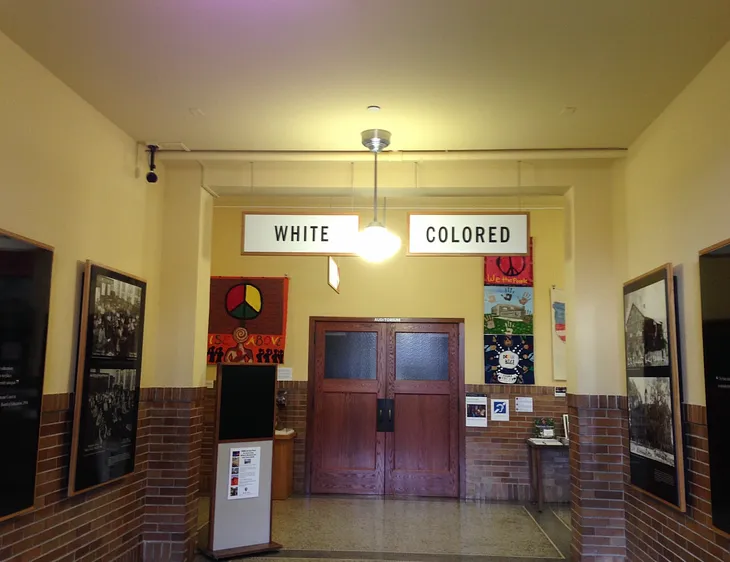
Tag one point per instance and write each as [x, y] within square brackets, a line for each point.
[385, 404]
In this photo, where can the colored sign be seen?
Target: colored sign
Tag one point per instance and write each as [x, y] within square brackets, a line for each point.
[468, 234]
[247, 320]
[509, 270]
[299, 234]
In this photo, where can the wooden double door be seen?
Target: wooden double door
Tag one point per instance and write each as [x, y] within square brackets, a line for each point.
[386, 408]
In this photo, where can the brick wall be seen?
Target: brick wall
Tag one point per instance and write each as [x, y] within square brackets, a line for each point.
[657, 532]
[599, 444]
[497, 458]
[173, 420]
[103, 524]
[295, 416]
[109, 523]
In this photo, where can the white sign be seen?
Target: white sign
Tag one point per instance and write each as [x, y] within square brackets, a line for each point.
[472, 234]
[476, 410]
[500, 409]
[299, 234]
[284, 374]
[243, 476]
[333, 274]
[523, 405]
[561, 391]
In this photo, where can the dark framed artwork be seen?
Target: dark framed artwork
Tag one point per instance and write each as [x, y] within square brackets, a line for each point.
[654, 387]
[25, 291]
[714, 280]
[107, 378]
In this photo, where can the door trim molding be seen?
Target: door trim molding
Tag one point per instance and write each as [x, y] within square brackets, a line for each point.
[309, 443]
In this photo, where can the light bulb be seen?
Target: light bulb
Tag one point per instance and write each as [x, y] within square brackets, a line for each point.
[376, 243]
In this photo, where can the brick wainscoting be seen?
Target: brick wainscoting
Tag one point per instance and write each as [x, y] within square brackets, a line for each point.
[173, 421]
[497, 458]
[657, 532]
[497, 465]
[599, 444]
[155, 503]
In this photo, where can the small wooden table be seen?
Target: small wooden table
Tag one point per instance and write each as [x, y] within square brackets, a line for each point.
[536, 469]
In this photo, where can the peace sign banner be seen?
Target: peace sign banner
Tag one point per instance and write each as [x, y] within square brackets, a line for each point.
[509, 270]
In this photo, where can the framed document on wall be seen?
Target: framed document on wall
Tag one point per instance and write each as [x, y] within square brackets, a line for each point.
[25, 290]
[107, 378]
[654, 387]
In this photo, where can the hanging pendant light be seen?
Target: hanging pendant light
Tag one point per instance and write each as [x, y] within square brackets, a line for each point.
[376, 243]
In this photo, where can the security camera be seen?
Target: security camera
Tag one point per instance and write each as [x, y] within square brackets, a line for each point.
[152, 175]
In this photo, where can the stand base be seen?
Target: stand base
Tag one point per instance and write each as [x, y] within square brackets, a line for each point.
[243, 551]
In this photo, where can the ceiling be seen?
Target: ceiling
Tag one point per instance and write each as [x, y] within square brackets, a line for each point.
[448, 74]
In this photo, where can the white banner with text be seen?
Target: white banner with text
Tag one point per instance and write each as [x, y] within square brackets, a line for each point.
[469, 234]
[299, 234]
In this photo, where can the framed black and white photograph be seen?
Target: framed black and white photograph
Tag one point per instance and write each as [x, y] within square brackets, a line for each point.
[654, 387]
[107, 378]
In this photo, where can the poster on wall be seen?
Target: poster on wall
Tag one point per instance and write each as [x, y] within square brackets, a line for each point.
[714, 280]
[106, 399]
[557, 317]
[508, 310]
[653, 387]
[509, 270]
[243, 473]
[509, 359]
[25, 289]
[509, 356]
[476, 410]
[247, 320]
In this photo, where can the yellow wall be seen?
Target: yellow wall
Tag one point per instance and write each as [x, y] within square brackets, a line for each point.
[68, 180]
[401, 287]
[676, 197]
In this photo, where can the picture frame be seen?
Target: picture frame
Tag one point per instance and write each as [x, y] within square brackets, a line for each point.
[26, 271]
[657, 465]
[109, 365]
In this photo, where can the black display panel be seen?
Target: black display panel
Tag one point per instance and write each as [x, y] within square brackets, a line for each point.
[714, 282]
[107, 378]
[25, 289]
[654, 387]
[246, 402]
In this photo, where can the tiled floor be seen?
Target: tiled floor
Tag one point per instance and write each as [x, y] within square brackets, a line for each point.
[347, 528]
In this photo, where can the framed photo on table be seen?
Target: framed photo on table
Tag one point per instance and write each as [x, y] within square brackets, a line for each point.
[654, 387]
[107, 378]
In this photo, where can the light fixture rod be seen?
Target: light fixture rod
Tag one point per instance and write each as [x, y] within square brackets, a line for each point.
[375, 190]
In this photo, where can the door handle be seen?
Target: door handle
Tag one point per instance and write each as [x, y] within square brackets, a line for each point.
[382, 424]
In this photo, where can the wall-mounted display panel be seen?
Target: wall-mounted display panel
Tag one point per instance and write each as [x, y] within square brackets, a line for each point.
[25, 289]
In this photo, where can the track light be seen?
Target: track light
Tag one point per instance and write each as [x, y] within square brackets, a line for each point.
[152, 175]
